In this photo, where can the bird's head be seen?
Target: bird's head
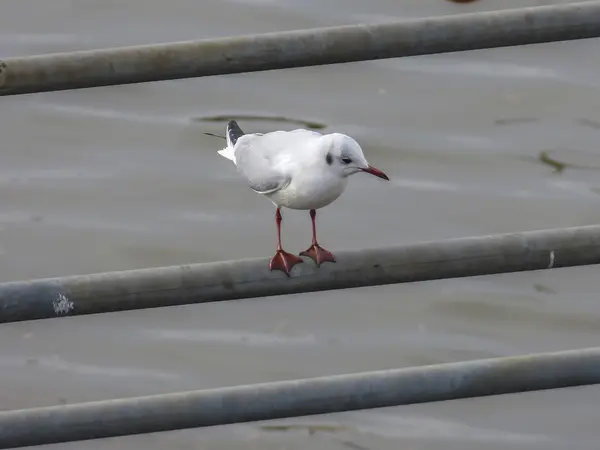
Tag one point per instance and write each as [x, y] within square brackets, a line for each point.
[344, 156]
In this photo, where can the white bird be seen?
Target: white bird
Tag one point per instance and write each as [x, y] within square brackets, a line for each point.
[297, 169]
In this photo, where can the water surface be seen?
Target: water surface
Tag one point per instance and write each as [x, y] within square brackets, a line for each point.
[123, 177]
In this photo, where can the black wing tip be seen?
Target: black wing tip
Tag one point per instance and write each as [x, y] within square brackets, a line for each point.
[234, 132]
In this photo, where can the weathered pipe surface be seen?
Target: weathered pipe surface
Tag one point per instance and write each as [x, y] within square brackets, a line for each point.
[229, 280]
[38, 426]
[300, 48]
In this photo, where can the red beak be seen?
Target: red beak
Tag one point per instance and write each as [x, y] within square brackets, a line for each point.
[374, 171]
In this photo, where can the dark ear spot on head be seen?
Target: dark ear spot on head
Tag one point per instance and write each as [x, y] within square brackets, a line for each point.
[329, 159]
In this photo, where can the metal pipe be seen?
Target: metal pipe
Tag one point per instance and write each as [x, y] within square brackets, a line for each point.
[228, 280]
[281, 50]
[267, 401]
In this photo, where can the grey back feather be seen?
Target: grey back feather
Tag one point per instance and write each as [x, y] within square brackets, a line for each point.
[258, 156]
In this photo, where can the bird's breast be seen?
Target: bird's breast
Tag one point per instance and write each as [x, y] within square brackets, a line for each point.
[309, 192]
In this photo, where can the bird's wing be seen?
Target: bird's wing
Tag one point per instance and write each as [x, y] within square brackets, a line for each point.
[260, 157]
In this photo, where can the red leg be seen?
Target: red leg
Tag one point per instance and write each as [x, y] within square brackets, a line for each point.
[317, 253]
[282, 260]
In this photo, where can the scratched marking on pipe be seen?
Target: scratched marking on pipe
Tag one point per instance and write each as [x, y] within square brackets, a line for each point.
[62, 305]
[552, 260]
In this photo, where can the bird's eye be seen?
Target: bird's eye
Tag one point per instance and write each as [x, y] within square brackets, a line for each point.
[346, 160]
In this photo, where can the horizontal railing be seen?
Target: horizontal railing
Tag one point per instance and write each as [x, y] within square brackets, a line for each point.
[282, 50]
[165, 412]
[247, 278]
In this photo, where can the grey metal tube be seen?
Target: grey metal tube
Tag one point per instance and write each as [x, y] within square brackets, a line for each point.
[228, 280]
[294, 398]
[301, 48]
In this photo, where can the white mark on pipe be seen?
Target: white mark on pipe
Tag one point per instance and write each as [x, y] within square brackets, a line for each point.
[552, 259]
[62, 305]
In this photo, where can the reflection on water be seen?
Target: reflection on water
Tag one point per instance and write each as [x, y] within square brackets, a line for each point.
[273, 120]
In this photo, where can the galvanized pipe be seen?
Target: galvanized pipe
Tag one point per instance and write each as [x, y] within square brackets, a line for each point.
[229, 280]
[281, 50]
[267, 401]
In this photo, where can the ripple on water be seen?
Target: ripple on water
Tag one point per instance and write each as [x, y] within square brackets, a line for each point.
[232, 337]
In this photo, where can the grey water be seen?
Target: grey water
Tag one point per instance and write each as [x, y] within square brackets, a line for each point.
[123, 177]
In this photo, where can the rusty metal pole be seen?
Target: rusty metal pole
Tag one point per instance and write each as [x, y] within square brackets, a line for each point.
[229, 280]
[281, 50]
[108, 418]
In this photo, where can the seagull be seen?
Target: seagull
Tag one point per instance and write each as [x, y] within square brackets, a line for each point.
[298, 169]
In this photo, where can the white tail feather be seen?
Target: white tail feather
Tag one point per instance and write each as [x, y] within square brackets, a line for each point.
[228, 153]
